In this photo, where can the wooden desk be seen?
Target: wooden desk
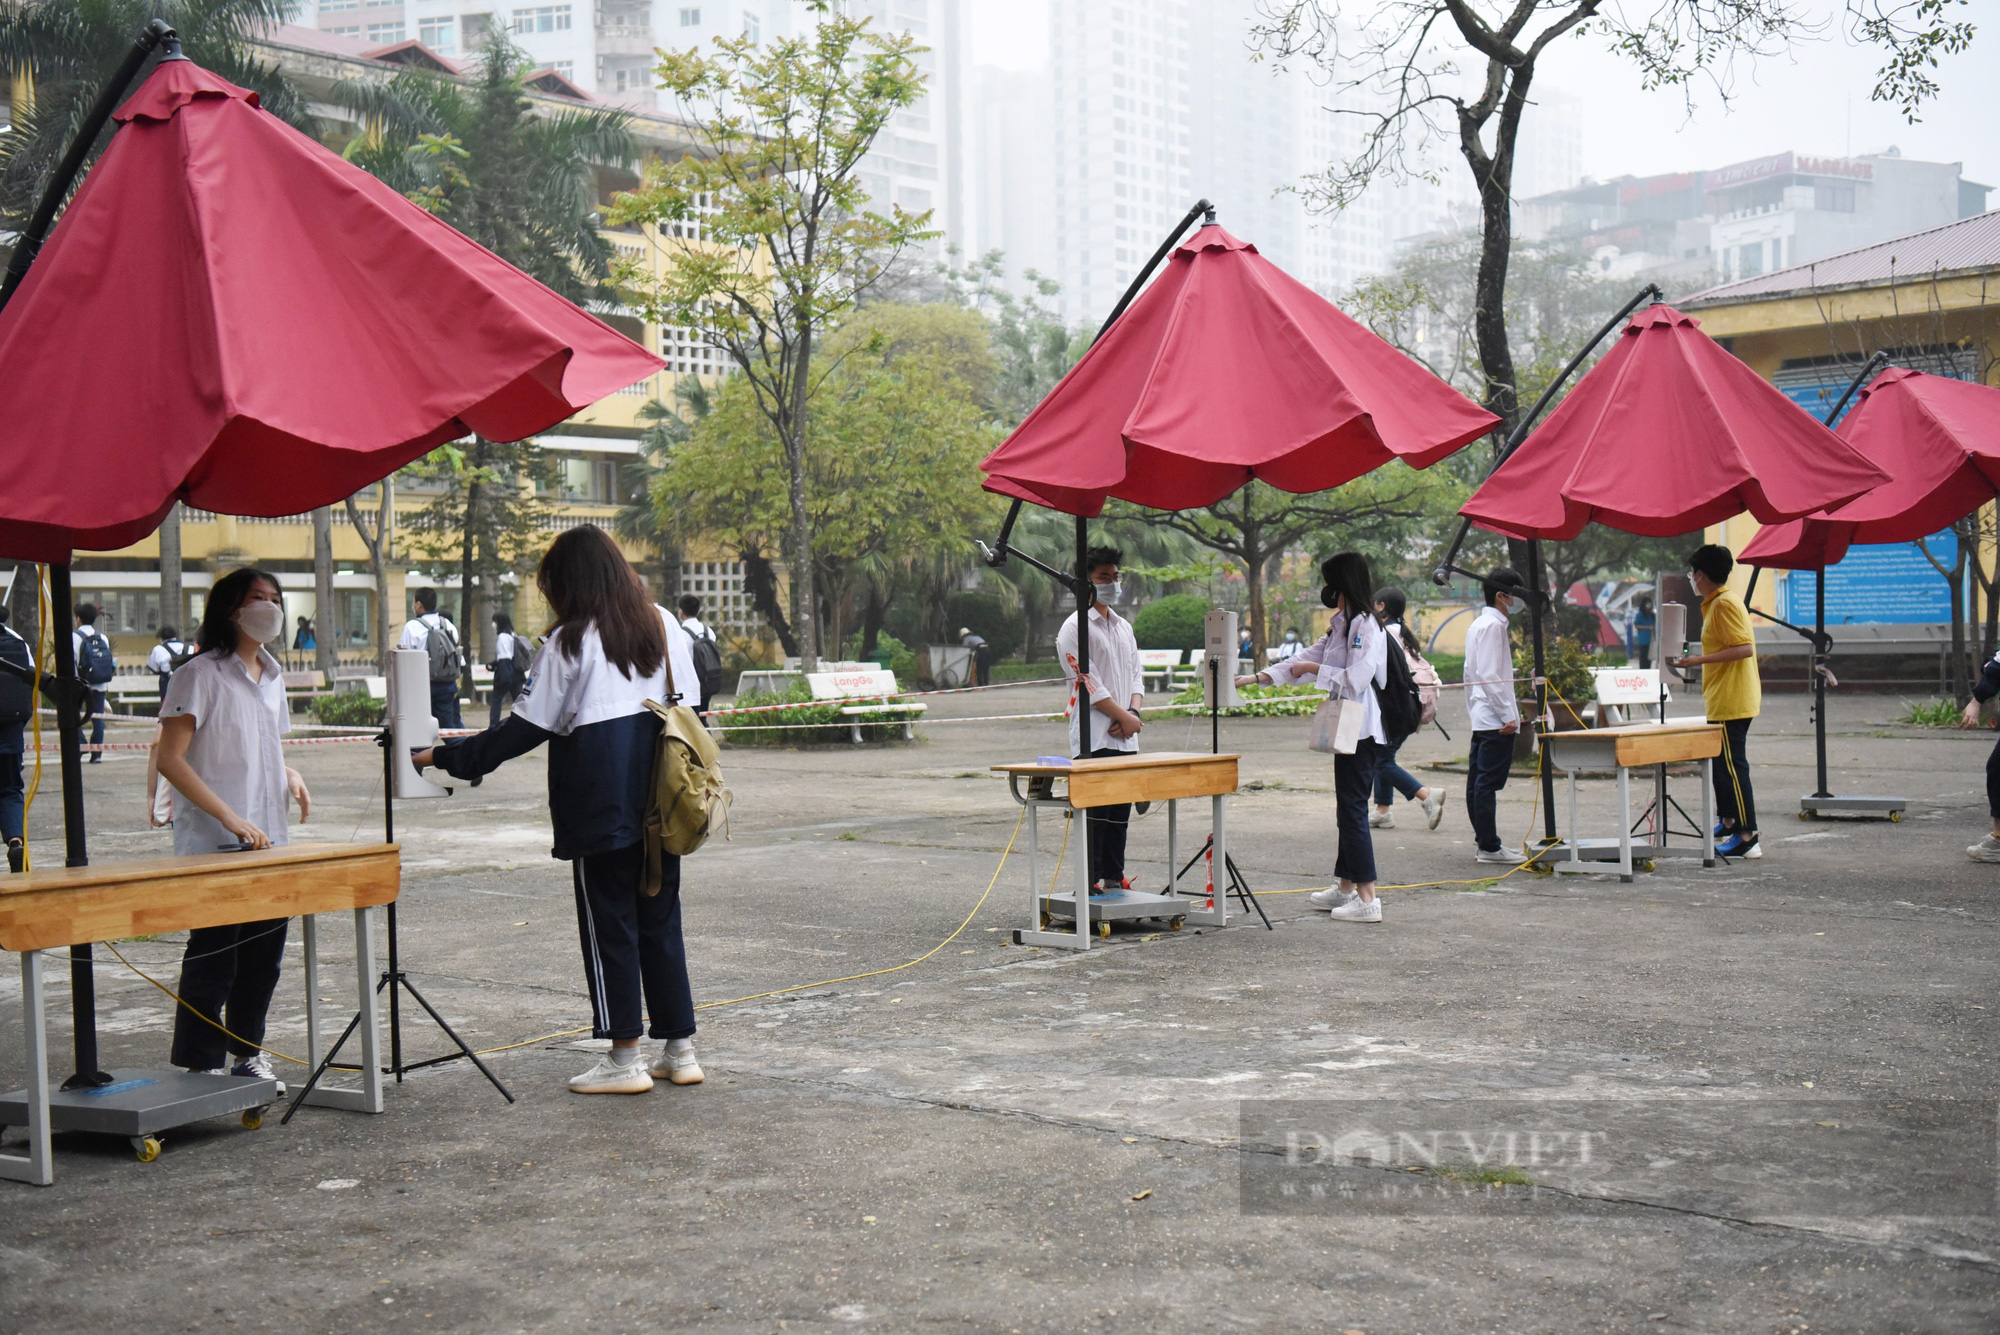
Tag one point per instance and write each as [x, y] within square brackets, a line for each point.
[67, 906]
[1623, 749]
[1166, 776]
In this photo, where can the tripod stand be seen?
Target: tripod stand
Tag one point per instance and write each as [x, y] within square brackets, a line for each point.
[395, 980]
[1237, 884]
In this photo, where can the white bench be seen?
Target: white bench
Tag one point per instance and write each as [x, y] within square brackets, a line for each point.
[909, 712]
[138, 686]
[1619, 689]
[1157, 666]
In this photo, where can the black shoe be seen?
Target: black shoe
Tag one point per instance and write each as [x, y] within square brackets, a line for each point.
[17, 855]
[476, 780]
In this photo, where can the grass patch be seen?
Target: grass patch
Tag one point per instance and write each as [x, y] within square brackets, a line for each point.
[1931, 714]
[1509, 1176]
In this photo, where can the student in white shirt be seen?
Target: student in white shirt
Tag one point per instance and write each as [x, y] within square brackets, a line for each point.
[1288, 648]
[1492, 708]
[1117, 693]
[93, 713]
[610, 652]
[417, 633]
[1349, 663]
[219, 728]
[161, 661]
[507, 676]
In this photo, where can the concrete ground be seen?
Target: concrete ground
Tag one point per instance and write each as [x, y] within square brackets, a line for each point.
[1786, 1068]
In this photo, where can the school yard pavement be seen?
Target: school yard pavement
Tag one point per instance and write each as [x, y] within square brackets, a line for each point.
[1759, 1098]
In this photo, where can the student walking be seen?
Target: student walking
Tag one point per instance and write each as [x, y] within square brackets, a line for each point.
[16, 710]
[511, 659]
[1732, 694]
[1644, 622]
[1116, 691]
[610, 652]
[1988, 686]
[95, 665]
[428, 630]
[1350, 663]
[1390, 605]
[220, 723]
[1492, 709]
[168, 655]
[707, 653]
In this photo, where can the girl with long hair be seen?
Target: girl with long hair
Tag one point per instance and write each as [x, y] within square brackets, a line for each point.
[607, 654]
[1348, 663]
[220, 722]
[1391, 605]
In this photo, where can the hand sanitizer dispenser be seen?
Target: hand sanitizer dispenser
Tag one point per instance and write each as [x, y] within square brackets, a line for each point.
[1218, 669]
[411, 727]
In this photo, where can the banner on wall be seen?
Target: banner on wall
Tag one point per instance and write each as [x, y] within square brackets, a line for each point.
[1890, 584]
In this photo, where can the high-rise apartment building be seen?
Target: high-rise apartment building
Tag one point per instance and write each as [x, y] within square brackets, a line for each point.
[603, 49]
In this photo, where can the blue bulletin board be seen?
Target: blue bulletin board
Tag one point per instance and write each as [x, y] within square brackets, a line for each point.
[1891, 585]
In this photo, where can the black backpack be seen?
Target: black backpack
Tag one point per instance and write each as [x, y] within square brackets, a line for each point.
[179, 654]
[707, 662]
[94, 664]
[16, 696]
[1402, 704]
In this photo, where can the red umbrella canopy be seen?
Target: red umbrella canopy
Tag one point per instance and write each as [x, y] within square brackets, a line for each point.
[230, 315]
[1939, 441]
[1224, 370]
[1667, 434]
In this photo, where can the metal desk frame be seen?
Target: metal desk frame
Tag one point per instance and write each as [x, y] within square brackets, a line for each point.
[37, 1166]
[1593, 856]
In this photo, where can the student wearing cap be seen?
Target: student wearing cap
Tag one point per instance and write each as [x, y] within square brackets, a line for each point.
[982, 655]
[1731, 694]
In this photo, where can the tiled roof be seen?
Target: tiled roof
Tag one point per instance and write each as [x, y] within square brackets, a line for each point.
[1969, 243]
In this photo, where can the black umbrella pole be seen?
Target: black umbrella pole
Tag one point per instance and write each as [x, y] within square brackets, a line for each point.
[1083, 597]
[1535, 608]
[69, 742]
[1819, 680]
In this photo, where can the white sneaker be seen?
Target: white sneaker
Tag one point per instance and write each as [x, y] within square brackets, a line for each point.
[1359, 910]
[678, 1068]
[1381, 820]
[1986, 850]
[1434, 807]
[608, 1077]
[1331, 897]
[1497, 855]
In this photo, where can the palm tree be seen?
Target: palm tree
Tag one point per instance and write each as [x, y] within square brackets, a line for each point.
[62, 51]
[639, 515]
[524, 184]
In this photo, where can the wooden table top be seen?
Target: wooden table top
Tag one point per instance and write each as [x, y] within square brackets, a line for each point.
[1137, 760]
[198, 864]
[1636, 744]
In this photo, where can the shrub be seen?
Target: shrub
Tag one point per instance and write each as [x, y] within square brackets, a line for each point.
[811, 724]
[1173, 622]
[348, 709]
[1932, 714]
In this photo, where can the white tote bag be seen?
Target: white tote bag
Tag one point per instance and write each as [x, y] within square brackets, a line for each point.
[1336, 727]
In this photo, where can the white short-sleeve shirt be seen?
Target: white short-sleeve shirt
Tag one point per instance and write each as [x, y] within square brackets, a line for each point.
[237, 724]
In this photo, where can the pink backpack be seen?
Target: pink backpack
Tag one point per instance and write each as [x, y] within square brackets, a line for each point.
[1427, 680]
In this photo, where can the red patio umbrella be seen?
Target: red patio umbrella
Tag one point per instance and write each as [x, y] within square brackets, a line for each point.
[1669, 433]
[1939, 441]
[230, 315]
[1224, 370]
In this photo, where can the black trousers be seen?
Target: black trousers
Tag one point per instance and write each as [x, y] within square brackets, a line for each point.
[506, 686]
[632, 946]
[1993, 783]
[95, 714]
[228, 975]
[1353, 786]
[1106, 827]
[444, 704]
[1645, 655]
[1485, 775]
[1734, 801]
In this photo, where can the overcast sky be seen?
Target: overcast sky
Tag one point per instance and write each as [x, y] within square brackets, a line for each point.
[1814, 101]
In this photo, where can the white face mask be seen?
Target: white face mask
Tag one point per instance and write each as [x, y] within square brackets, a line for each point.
[261, 621]
[1112, 592]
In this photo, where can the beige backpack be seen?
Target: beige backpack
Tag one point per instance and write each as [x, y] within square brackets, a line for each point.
[689, 798]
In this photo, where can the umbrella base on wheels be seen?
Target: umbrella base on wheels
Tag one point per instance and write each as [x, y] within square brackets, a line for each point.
[1892, 808]
[139, 1104]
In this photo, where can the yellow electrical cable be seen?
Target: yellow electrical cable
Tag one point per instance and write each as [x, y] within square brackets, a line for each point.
[197, 1014]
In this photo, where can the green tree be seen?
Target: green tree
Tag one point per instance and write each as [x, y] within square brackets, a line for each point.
[522, 183]
[767, 225]
[892, 482]
[60, 52]
[1033, 348]
[638, 521]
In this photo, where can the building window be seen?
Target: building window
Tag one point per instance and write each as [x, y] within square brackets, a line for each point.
[725, 606]
[437, 34]
[385, 32]
[752, 31]
[328, 6]
[474, 27]
[1826, 198]
[1750, 260]
[566, 68]
[691, 17]
[345, 32]
[542, 18]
